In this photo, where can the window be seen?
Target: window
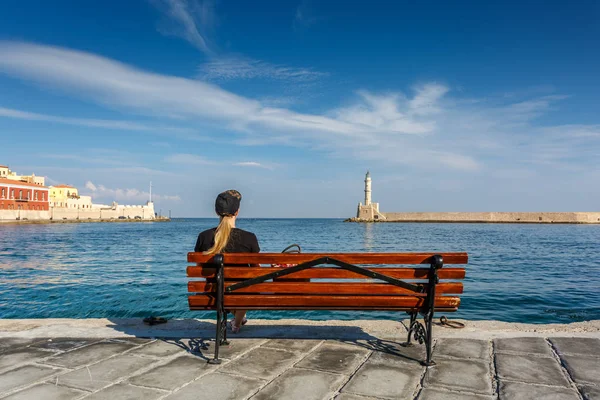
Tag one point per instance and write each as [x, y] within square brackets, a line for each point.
[20, 195]
[3, 192]
[35, 196]
[12, 193]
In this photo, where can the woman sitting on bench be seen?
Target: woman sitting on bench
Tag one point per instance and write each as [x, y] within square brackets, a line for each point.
[226, 238]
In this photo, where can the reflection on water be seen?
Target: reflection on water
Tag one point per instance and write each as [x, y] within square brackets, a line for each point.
[526, 273]
[368, 237]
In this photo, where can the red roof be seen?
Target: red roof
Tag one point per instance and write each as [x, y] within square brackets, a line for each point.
[3, 166]
[64, 186]
[11, 182]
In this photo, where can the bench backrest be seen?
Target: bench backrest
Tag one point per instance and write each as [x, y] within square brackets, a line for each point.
[338, 281]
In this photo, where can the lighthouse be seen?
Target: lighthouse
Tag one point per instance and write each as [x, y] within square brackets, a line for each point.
[368, 189]
[369, 211]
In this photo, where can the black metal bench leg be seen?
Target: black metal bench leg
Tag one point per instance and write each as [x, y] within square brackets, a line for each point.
[221, 336]
[428, 338]
[437, 262]
[216, 360]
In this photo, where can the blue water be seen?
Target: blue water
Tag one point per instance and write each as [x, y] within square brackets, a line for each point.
[521, 273]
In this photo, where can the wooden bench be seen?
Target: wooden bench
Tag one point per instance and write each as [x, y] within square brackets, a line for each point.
[236, 281]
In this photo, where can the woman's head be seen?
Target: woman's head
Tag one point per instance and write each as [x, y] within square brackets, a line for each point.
[228, 203]
[227, 206]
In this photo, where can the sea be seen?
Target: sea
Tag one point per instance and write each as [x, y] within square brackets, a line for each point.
[516, 272]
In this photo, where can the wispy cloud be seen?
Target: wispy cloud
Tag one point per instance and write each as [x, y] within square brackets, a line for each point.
[425, 127]
[304, 16]
[244, 68]
[130, 194]
[193, 19]
[251, 164]
[187, 19]
[91, 123]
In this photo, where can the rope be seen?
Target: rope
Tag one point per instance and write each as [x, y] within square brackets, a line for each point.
[451, 324]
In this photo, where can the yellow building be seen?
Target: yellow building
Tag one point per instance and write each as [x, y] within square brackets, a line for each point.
[6, 173]
[66, 196]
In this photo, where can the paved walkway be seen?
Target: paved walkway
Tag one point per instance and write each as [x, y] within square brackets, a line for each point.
[262, 368]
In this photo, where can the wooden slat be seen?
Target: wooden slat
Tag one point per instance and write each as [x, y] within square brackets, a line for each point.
[324, 273]
[316, 302]
[325, 288]
[352, 258]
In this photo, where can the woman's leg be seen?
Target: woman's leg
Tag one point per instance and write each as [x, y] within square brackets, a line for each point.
[239, 317]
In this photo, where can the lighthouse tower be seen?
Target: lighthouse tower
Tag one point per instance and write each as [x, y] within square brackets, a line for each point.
[369, 211]
[368, 189]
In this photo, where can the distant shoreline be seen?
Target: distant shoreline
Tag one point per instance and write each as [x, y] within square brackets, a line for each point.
[77, 221]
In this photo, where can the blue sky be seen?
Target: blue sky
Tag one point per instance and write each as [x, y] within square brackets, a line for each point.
[453, 107]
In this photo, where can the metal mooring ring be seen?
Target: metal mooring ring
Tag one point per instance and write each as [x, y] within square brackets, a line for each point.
[451, 324]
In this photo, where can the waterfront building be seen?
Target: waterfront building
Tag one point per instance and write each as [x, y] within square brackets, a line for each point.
[17, 195]
[6, 173]
[67, 196]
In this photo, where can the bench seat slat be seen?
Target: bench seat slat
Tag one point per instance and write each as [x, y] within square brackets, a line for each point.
[208, 301]
[322, 272]
[351, 258]
[325, 288]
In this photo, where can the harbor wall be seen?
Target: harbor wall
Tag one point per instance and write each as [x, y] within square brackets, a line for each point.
[145, 212]
[497, 217]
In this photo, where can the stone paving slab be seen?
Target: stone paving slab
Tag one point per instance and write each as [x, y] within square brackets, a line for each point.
[174, 373]
[291, 345]
[350, 396]
[15, 343]
[63, 344]
[264, 368]
[578, 346]
[235, 348]
[104, 373]
[217, 386]
[589, 392]
[385, 352]
[462, 375]
[262, 363]
[462, 348]
[440, 394]
[46, 391]
[25, 375]
[302, 384]
[89, 354]
[124, 391]
[530, 369]
[583, 369]
[385, 380]
[159, 349]
[526, 345]
[13, 358]
[335, 358]
[524, 391]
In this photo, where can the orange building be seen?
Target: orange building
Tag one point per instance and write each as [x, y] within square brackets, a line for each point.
[15, 195]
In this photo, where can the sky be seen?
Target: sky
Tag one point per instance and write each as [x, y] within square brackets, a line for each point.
[452, 106]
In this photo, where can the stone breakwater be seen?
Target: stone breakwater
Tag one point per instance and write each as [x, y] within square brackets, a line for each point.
[295, 359]
[487, 217]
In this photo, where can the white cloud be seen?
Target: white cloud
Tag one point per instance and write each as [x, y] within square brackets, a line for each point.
[92, 123]
[251, 164]
[190, 18]
[133, 195]
[244, 68]
[426, 129]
